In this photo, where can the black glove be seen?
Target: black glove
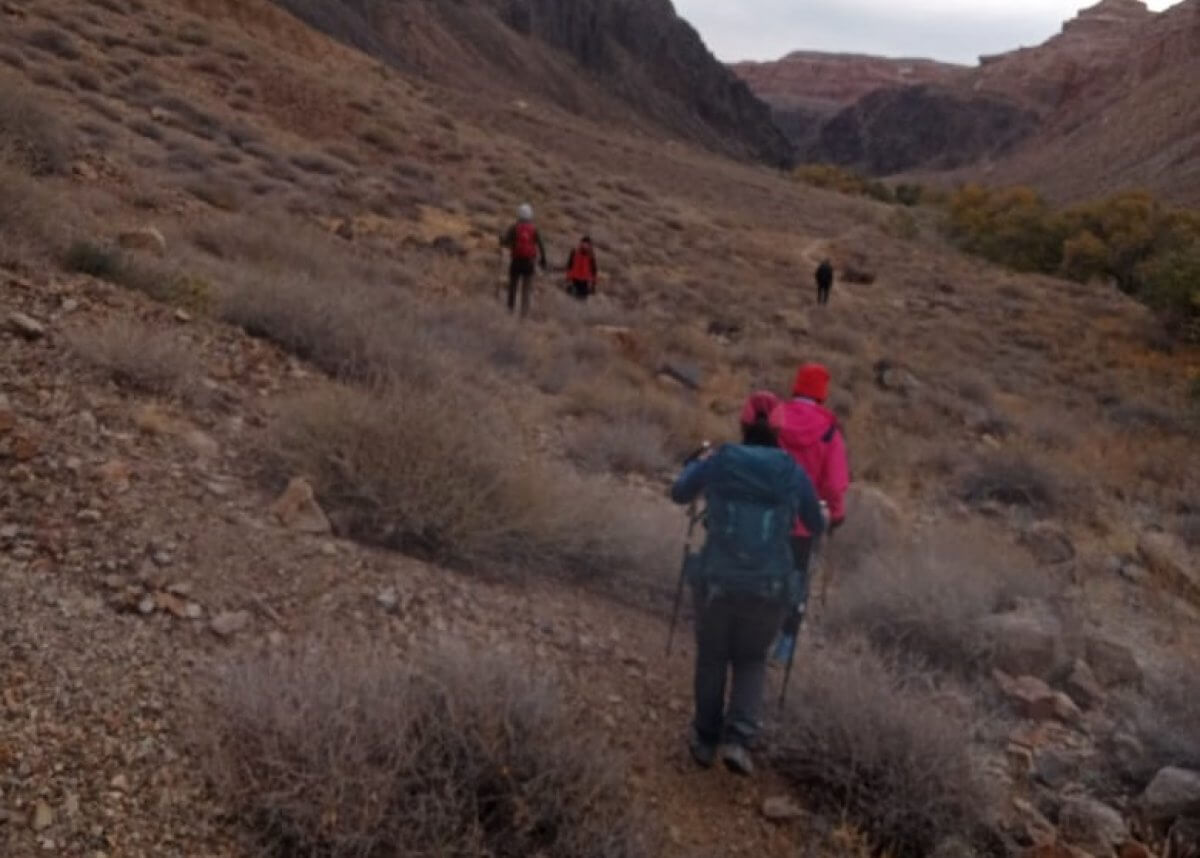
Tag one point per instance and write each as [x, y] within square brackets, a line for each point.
[791, 623]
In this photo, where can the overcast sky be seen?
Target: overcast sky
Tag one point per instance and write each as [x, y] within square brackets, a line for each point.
[952, 30]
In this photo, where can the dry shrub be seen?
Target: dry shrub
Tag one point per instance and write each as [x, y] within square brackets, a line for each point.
[1013, 478]
[31, 221]
[31, 138]
[432, 472]
[138, 356]
[217, 193]
[346, 331]
[54, 42]
[631, 445]
[614, 397]
[926, 599]
[1166, 718]
[347, 753]
[867, 741]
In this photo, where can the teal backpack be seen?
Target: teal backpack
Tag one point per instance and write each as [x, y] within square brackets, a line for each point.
[751, 511]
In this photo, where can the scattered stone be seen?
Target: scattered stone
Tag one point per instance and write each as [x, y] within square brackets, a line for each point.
[1055, 767]
[1112, 663]
[1173, 792]
[1038, 829]
[120, 783]
[1083, 686]
[388, 599]
[780, 808]
[183, 316]
[69, 305]
[201, 443]
[229, 623]
[1049, 544]
[147, 238]
[896, 378]
[26, 326]
[42, 816]
[1026, 641]
[1034, 699]
[193, 611]
[115, 474]
[173, 605]
[1165, 554]
[88, 516]
[1020, 759]
[686, 374]
[147, 605]
[953, 847]
[1092, 825]
[297, 509]
[160, 114]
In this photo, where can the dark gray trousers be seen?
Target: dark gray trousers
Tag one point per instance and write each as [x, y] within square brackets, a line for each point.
[733, 634]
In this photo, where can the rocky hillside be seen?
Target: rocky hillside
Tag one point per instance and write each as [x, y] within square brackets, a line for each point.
[806, 88]
[1050, 114]
[619, 60]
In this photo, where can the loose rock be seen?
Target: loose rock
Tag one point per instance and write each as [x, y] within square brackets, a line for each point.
[297, 509]
[1112, 663]
[1025, 642]
[780, 808]
[26, 326]
[147, 238]
[1173, 792]
[229, 623]
[1083, 686]
[1092, 825]
[42, 816]
[1049, 544]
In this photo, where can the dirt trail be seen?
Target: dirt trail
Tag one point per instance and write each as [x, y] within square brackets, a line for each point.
[127, 516]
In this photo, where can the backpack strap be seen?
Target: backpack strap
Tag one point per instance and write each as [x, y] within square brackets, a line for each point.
[828, 436]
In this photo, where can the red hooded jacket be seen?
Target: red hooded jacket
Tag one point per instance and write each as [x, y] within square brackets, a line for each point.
[810, 433]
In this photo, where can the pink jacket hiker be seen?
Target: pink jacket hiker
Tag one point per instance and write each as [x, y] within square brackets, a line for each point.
[810, 433]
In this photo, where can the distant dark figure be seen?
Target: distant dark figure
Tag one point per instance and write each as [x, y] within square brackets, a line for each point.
[582, 270]
[525, 246]
[824, 281]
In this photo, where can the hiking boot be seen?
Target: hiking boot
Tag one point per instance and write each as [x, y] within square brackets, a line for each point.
[704, 753]
[737, 760]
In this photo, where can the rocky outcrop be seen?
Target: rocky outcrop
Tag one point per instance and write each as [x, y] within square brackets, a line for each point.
[893, 130]
[598, 57]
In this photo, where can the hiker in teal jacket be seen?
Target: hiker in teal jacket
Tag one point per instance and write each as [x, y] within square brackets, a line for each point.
[745, 581]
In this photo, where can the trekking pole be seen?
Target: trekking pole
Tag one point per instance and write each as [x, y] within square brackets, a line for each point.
[683, 568]
[814, 566]
[693, 517]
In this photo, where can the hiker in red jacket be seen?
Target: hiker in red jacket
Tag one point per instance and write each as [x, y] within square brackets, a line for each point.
[810, 433]
[524, 243]
[582, 270]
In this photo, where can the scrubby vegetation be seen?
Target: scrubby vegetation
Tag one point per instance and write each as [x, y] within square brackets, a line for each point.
[1147, 248]
[349, 754]
[865, 741]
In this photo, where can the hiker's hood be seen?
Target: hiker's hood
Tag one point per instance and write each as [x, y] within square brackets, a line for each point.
[801, 423]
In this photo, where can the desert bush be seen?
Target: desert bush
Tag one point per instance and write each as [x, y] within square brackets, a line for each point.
[1170, 283]
[866, 741]
[54, 42]
[625, 446]
[217, 193]
[1012, 478]
[925, 599]
[138, 356]
[31, 221]
[86, 257]
[1011, 226]
[432, 472]
[31, 138]
[611, 396]
[346, 753]
[1165, 716]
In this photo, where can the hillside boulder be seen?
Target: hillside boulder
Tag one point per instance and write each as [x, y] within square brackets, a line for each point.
[1092, 825]
[1025, 641]
[297, 509]
[1048, 543]
[1112, 663]
[147, 239]
[1174, 792]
